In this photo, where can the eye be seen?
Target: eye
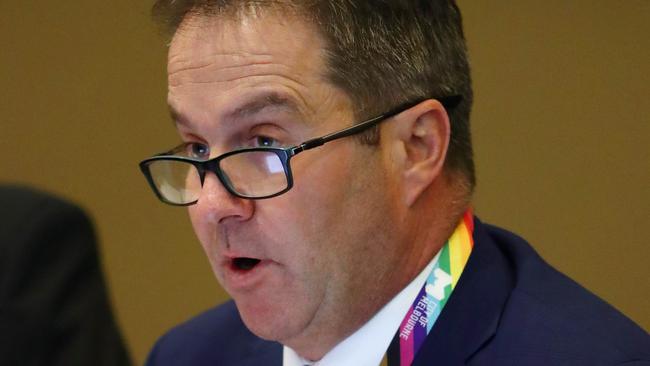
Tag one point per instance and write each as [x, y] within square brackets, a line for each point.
[197, 150]
[265, 141]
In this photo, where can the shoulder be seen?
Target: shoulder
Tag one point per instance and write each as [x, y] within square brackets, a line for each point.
[32, 216]
[21, 200]
[549, 313]
[40, 231]
[51, 282]
[216, 337]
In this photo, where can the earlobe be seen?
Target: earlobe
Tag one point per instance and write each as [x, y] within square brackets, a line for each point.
[425, 133]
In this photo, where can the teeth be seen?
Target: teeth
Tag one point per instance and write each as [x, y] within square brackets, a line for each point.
[245, 263]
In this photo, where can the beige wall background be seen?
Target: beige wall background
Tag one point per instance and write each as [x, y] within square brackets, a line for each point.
[561, 132]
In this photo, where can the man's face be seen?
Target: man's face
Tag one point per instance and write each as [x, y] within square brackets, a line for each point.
[322, 251]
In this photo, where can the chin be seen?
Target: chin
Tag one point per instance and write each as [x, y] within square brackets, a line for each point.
[273, 323]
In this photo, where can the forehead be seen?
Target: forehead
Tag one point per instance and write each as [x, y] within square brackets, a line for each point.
[202, 36]
[215, 59]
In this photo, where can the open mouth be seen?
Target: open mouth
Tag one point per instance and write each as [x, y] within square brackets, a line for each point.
[245, 264]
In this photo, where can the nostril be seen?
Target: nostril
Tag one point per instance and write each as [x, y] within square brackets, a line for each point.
[244, 263]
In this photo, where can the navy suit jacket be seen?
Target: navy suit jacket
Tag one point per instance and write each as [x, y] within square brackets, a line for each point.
[508, 308]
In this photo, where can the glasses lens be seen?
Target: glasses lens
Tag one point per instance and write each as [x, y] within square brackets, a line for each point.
[255, 173]
[176, 181]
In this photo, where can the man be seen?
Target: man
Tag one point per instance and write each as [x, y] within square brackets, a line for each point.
[347, 245]
[54, 307]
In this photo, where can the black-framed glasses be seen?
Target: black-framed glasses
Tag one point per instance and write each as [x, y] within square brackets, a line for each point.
[250, 173]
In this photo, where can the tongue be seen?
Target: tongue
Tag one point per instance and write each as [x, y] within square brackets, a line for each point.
[245, 263]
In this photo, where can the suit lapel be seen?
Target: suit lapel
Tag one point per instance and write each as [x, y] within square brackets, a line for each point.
[472, 313]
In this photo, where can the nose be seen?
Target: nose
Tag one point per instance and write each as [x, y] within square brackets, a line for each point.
[216, 204]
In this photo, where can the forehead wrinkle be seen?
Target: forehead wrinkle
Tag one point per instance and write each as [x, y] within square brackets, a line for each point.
[192, 71]
[182, 61]
[254, 74]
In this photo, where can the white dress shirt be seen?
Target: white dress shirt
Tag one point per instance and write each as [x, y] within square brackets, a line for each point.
[367, 346]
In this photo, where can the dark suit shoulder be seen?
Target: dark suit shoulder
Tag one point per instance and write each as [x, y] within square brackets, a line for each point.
[553, 318]
[54, 307]
[39, 231]
[30, 218]
[215, 337]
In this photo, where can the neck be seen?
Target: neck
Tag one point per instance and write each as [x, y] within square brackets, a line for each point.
[432, 220]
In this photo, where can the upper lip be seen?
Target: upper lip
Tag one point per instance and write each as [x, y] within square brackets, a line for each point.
[237, 254]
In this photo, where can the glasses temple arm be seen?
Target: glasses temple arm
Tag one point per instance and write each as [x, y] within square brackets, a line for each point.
[447, 102]
[310, 144]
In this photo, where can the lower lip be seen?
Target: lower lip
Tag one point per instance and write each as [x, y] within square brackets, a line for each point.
[241, 280]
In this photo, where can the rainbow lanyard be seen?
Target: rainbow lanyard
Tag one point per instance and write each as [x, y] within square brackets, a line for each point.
[433, 295]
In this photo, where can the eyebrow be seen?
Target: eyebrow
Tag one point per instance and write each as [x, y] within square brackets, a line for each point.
[256, 105]
[262, 102]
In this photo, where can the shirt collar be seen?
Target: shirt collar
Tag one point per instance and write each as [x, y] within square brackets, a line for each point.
[374, 337]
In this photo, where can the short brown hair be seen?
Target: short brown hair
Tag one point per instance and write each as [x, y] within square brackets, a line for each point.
[382, 53]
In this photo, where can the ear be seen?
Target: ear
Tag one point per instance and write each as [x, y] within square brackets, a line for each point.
[423, 133]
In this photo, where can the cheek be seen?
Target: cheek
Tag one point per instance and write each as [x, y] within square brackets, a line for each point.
[307, 222]
[321, 184]
[331, 202]
[295, 233]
